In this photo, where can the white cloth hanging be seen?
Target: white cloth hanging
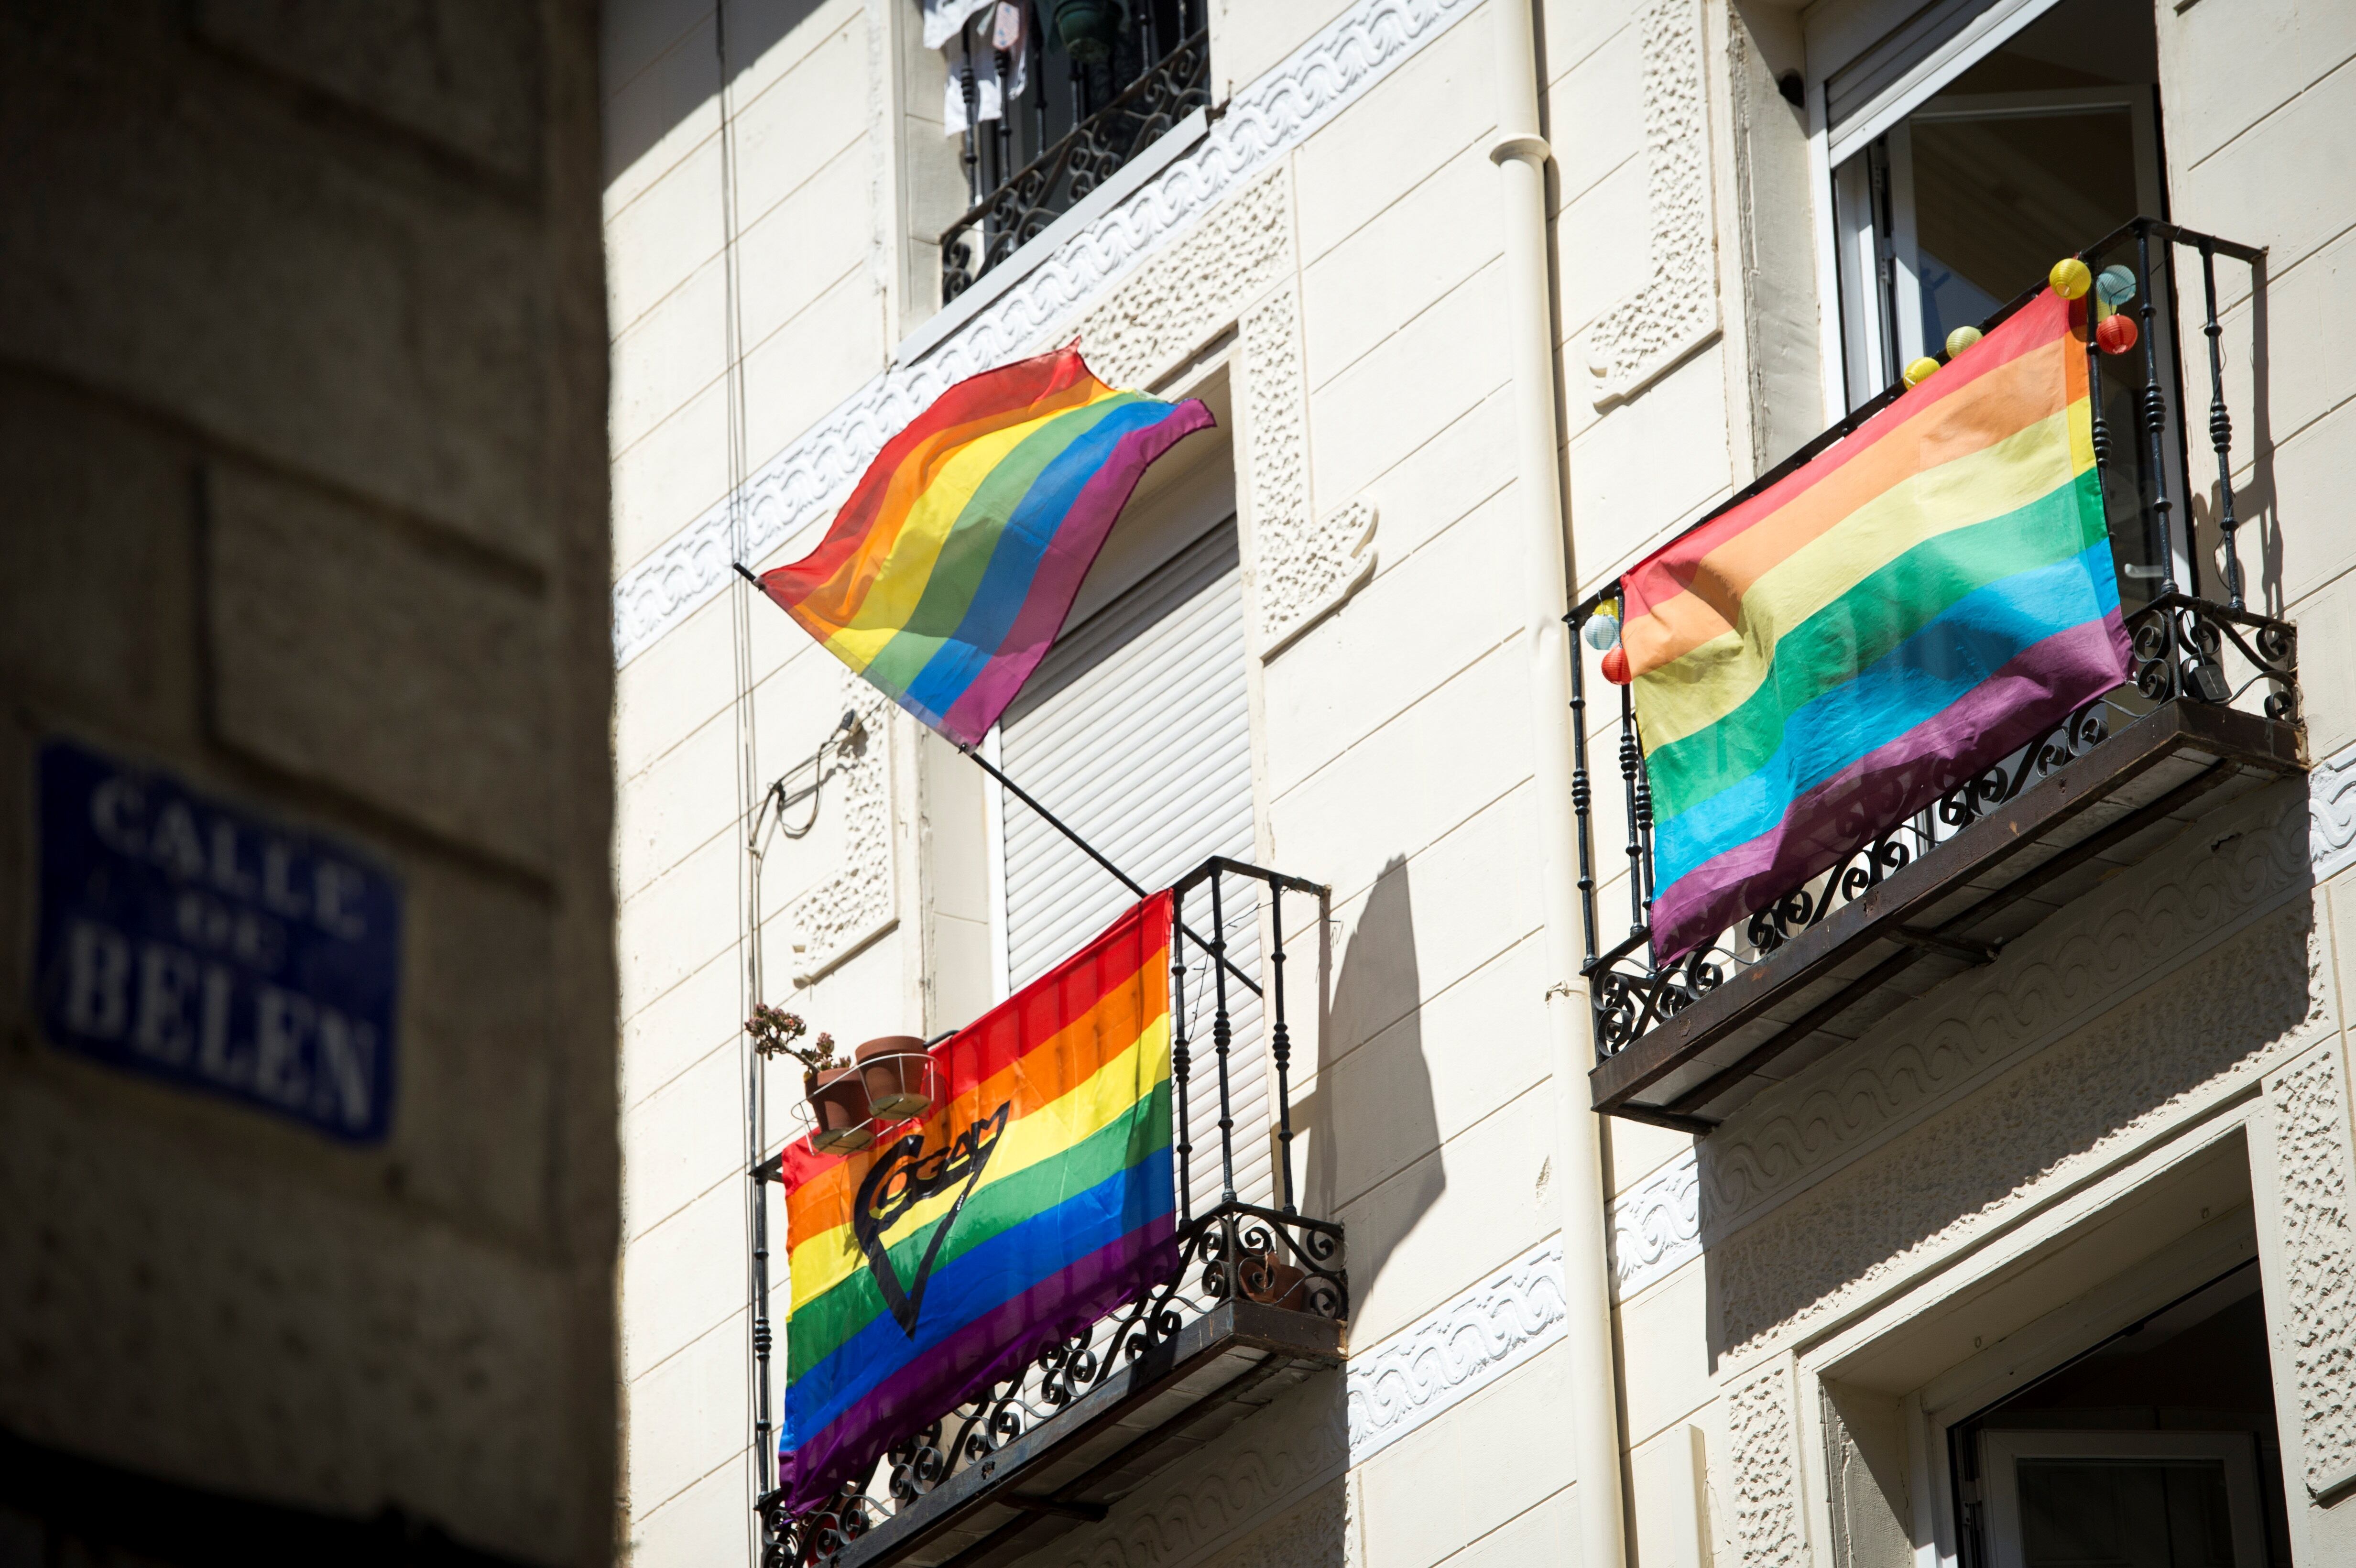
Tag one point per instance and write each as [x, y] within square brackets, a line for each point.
[997, 27]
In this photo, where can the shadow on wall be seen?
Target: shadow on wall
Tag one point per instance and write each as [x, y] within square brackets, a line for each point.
[1374, 1134]
[662, 62]
[2154, 1020]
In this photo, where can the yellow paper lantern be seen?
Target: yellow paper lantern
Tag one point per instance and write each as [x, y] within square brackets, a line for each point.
[1921, 370]
[2070, 278]
[1963, 337]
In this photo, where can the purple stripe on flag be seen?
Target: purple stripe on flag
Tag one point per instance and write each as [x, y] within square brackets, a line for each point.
[993, 1346]
[2030, 694]
[1057, 582]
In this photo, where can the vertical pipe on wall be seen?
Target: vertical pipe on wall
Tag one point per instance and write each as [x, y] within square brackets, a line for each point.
[1520, 154]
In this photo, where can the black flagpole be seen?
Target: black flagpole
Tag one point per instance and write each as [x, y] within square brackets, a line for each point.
[1068, 831]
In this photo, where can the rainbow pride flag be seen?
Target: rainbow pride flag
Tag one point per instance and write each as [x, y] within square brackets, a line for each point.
[952, 568]
[1829, 656]
[1034, 1199]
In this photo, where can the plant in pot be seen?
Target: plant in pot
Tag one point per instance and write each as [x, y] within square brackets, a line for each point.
[1091, 27]
[837, 1090]
[899, 1075]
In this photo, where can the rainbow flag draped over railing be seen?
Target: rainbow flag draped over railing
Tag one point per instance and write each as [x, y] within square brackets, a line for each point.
[1831, 655]
[1033, 1200]
[952, 566]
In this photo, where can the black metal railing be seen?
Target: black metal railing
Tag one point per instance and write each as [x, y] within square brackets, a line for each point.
[1232, 1249]
[1067, 133]
[2186, 647]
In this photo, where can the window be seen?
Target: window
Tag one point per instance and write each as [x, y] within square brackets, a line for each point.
[1136, 731]
[1970, 147]
[2032, 151]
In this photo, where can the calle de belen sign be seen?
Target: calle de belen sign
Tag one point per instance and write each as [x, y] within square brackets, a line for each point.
[197, 941]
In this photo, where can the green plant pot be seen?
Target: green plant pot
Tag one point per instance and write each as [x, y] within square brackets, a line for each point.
[1089, 28]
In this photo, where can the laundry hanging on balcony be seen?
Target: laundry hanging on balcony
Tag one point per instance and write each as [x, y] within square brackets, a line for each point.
[952, 568]
[972, 34]
[1032, 1201]
[1831, 656]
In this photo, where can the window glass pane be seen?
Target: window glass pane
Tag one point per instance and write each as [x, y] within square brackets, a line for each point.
[1998, 197]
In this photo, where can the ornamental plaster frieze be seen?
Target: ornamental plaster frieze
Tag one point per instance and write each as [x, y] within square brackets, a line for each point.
[2083, 961]
[800, 485]
[858, 902]
[2309, 1105]
[1448, 1356]
[1304, 567]
[1764, 1444]
[1221, 1499]
[2331, 814]
[1656, 1225]
[2173, 1052]
[1674, 310]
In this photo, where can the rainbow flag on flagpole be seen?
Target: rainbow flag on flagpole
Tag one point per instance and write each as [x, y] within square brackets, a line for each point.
[1830, 656]
[952, 566]
[1036, 1197]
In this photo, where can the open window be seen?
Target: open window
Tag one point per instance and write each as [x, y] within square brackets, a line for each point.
[1970, 144]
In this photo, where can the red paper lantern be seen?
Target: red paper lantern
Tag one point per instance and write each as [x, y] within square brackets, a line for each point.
[2115, 333]
[1615, 666]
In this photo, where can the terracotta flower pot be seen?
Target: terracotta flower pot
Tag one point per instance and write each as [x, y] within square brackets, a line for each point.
[899, 1076]
[837, 1100]
[1265, 1279]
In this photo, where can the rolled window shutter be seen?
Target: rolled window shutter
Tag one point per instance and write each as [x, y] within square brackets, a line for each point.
[1136, 729]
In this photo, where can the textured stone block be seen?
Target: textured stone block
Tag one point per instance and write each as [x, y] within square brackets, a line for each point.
[463, 75]
[345, 651]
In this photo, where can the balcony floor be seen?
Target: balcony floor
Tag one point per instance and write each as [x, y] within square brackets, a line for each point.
[1144, 1416]
[1948, 912]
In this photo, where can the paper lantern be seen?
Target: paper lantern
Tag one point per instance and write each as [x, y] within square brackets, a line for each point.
[1963, 337]
[1604, 631]
[2070, 278]
[1921, 370]
[1615, 666]
[2115, 286]
[2115, 333]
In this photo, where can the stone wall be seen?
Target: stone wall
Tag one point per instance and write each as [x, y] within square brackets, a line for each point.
[301, 430]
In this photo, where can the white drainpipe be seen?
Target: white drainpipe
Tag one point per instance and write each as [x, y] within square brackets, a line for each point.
[1521, 155]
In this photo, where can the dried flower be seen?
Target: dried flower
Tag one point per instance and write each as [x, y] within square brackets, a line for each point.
[774, 1031]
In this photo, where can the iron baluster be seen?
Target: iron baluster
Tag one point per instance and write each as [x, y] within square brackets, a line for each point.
[1280, 1048]
[1220, 1036]
[2221, 427]
[1630, 761]
[1579, 792]
[1038, 78]
[1178, 1045]
[2154, 412]
[1002, 166]
[973, 92]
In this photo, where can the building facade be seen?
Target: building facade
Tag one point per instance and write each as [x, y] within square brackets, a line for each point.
[1990, 1205]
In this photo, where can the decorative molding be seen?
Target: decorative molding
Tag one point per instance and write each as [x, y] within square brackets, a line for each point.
[2052, 982]
[1675, 310]
[2312, 1156]
[1766, 1447]
[1656, 1225]
[1315, 1535]
[1452, 1353]
[1304, 568]
[799, 485]
[859, 902]
[1984, 1163]
[1190, 293]
[2331, 814]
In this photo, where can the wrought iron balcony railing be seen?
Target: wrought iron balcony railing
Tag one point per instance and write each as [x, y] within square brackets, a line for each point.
[1259, 1297]
[1114, 108]
[2212, 710]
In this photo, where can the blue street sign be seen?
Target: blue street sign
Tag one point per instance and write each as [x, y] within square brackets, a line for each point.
[193, 941]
